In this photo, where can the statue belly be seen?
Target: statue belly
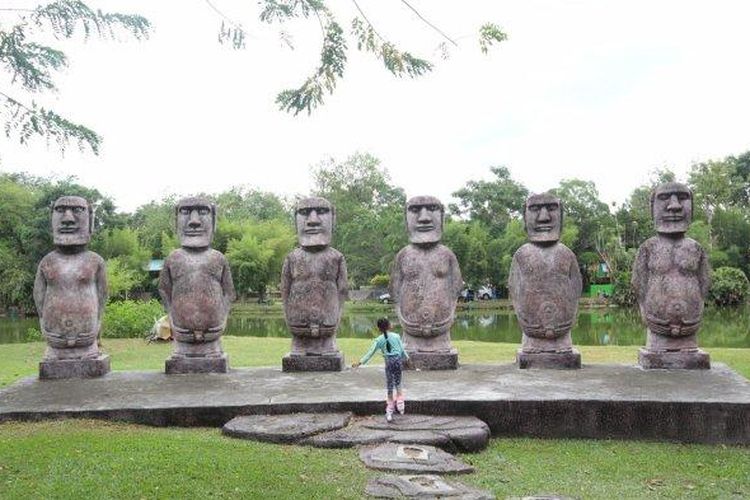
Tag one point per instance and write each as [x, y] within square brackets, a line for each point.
[427, 305]
[546, 303]
[70, 310]
[674, 298]
[198, 307]
[312, 301]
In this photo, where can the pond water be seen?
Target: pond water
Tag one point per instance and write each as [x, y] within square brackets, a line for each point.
[721, 327]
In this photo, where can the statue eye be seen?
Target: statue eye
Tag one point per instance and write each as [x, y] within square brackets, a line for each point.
[60, 210]
[322, 210]
[663, 196]
[77, 210]
[683, 196]
[551, 208]
[414, 209]
[203, 211]
[184, 210]
[433, 208]
[534, 208]
[304, 211]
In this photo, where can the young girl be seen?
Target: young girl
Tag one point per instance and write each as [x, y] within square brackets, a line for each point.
[389, 344]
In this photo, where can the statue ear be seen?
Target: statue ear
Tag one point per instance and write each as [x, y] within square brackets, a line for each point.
[213, 218]
[562, 215]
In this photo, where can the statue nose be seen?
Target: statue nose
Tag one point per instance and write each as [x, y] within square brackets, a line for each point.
[543, 215]
[194, 221]
[674, 203]
[313, 219]
[423, 215]
[68, 218]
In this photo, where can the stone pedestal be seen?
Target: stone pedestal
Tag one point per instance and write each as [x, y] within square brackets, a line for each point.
[75, 368]
[312, 363]
[180, 365]
[674, 360]
[568, 360]
[447, 360]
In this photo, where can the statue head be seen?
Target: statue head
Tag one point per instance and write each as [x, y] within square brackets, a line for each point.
[72, 221]
[196, 222]
[315, 218]
[543, 217]
[672, 208]
[424, 220]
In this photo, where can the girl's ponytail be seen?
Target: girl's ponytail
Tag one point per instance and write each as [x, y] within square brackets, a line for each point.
[383, 325]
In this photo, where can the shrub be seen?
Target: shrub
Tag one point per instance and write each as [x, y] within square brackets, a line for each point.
[130, 318]
[380, 280]
[623, 293]
[729, 286]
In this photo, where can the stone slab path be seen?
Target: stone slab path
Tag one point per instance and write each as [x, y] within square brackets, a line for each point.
[424, 487]
[415, 458]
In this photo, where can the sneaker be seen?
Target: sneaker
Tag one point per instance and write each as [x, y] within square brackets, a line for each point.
[400, 406]
[389, 415]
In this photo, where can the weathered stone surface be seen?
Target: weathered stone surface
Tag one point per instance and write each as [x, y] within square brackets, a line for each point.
[74, 368]
[70, 292]
[197, 290]
[543, 496]
[181, 365]
[311, 363]
[434, 360]
[671, 277]
[426, 282]
[284, 428]
[674, 360]
[314, 288]
[412, 458]
[545, 285]
[552, 360]
[453, 434]
[423, 486]
[596, 402]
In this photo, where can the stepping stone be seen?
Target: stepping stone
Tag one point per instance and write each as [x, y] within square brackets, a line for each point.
[412, 458]
[284, 428]
[423, 487]
[453, 434]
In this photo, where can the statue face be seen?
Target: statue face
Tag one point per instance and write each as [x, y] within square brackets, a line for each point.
[196, 219]
[72, 221]
[672, 208]
[314, 218]
[424, 220]
[543, 218]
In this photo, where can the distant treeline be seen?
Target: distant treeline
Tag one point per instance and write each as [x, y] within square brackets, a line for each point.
[484, 227]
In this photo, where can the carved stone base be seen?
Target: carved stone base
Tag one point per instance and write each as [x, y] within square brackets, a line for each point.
[674, 360]
[569, 360]
[323, 363]
[434, 360]
[74, 368]
[179, 365]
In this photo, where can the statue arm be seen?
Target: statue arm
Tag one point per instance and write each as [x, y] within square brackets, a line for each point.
[576, 282]
[227, 284]
[394, 287]
[40, 290]
[514, 277]
[640, 273]
[341, 281]
[704, 274]
[165, 287]
[101, 292]
[457, 279]
[286, 279]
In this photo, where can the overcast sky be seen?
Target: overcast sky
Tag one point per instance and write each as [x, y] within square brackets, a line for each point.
[599, 90]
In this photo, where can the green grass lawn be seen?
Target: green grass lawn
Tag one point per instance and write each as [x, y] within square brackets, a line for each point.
[93, 459]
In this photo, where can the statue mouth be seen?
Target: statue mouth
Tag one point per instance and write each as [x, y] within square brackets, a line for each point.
[194, 233]
[426, 228]
[68, 230]
[543, 229]
[313, 230]
[673, 218]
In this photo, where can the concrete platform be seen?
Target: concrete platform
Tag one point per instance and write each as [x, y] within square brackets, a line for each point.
[597, 401]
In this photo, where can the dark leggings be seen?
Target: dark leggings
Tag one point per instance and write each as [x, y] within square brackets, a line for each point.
[392, 373]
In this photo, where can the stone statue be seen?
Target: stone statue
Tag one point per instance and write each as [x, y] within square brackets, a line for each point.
[196, 287]
[314, 288]
[70, 292]
[671, 277]
[425, 284]
[545, 284]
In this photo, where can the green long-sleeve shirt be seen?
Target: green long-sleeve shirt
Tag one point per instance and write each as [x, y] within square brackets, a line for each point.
[397, 349]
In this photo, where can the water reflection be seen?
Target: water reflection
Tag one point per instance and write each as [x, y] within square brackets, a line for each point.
[721, 327]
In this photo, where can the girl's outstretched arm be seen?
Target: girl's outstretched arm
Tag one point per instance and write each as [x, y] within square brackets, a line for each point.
[369, 354]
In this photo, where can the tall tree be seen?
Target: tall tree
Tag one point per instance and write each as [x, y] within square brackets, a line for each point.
[31, 64]
[493, 203]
